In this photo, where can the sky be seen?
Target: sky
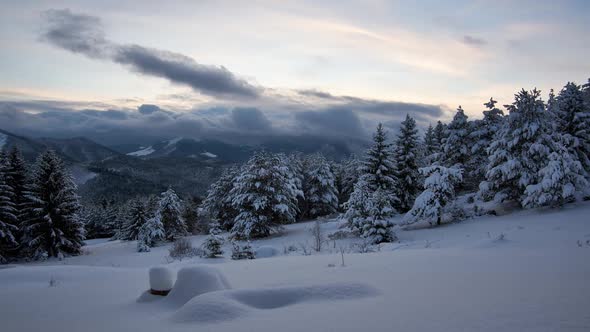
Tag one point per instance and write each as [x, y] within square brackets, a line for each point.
[332, 68]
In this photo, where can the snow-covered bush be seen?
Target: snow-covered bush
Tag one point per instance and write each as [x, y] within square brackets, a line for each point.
[378, 227]
[212, 245]
[438, 192]
[244, 251]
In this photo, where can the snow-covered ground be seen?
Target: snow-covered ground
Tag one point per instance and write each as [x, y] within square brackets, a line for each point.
[143, 152]
[526, 271]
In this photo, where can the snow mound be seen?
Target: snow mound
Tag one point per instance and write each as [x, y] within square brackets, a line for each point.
[194, 281]
[231, 304]
[266, 251]
[161, 278]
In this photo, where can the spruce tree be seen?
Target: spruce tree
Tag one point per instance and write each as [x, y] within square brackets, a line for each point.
[264, 197]
[439, 140]
[150, 233]
[430, 146]
[137, 216]
[212, 244]
[320, 189]
[406, 164]
[218, 203]
[456, 146]
[573, 122]
[350, 175]
[359, 205]
[378, 227]
[438, 191]
[170, 213]
[378, 169]
[53, 227]
[17, 179]
[528, 161]
[482, 136]
[8, 218]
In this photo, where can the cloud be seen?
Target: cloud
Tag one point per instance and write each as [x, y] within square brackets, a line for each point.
[474, 41]
[395, 109]
[331, 122]
[83, 34]
[250, 119]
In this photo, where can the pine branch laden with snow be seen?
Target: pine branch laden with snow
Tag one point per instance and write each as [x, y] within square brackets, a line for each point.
[264, 197]
[320, 187]
[218, 203]
[406, 164]
[438, 192]
[54, 227]
[170, 213]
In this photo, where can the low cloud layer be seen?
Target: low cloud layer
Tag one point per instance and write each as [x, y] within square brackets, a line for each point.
[83, 34]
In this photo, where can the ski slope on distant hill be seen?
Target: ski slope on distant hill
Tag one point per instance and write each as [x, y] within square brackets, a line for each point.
[526, 271]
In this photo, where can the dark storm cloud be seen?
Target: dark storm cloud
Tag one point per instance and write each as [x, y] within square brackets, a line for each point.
[250, 119]
[422, 112]
[331, 122]
[474, 41]
[83, 34]
[75, 32]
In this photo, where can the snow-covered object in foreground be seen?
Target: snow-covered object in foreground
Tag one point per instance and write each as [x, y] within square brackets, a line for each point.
[212, 245]
[266, 251]
[161, 279]
[193, 281]
[378, 227]
[438, 191]
[232, 304]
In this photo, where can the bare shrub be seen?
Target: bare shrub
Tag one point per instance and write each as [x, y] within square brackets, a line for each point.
[183, 248]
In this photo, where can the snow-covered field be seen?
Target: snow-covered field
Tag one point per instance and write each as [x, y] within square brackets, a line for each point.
[527, 271]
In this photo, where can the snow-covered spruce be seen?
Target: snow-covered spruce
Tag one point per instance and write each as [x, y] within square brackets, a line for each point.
[358, 205]
[482, 135]
[438, 192]
[378, 227]
[150, 233]
[53, 227]
[350, 175]
[170, 213]
[456, 148]
[212, 245]
[8, 219]
[406, 164]
[264, 197]
[521, 154]
[218, 203]
[378, 168]
[572, 117]
[429, 146]
[137, 216]
[320, 187]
